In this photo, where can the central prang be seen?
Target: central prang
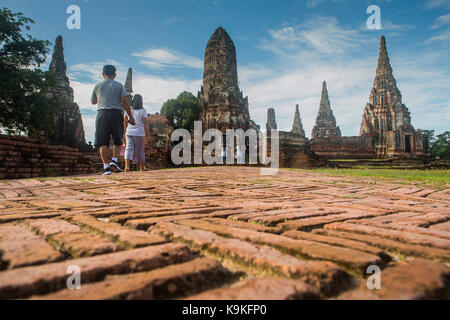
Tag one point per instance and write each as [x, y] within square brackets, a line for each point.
[223, 103]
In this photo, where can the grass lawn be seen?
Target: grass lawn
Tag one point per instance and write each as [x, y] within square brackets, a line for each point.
[439, 178]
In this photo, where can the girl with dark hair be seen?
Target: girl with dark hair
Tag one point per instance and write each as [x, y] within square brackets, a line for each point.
[136, 134]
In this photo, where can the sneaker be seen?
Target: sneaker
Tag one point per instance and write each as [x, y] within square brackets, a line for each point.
[107, 172]
[115, 166]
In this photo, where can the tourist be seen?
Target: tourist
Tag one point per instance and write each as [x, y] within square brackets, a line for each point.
[136, 135]
[111, 97]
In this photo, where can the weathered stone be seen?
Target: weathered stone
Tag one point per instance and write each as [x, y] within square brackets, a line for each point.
[386, 117]
[297, 127]
[68, 124]
[271, 120]
[223, 104]
[325, 122]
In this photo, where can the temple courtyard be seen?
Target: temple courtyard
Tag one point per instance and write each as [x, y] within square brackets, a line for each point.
[224, 233]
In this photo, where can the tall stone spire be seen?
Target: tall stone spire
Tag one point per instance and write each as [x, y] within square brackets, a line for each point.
[223, 103]
[385, 117]
[129, 81]
[58, 66]
[220, 63]
[68, 124]
[325, 122]
[385, 110]
[271, 120]
[297, 127]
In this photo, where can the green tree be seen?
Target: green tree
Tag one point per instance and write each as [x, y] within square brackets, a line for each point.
[182, 111]
[441, 147]
[24, 108]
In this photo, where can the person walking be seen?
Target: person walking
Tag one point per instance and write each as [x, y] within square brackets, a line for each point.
[111, 98]
[136, 135]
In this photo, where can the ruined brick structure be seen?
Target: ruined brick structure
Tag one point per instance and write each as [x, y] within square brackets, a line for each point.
[159, 149]
[325, 122]
[386, 117]
[297, 127]
[22, 157]
[295, 150]
[223, 104]
[68, 124]
[386, 129]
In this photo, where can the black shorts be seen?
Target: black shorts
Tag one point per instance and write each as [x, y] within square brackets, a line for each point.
[108, 123]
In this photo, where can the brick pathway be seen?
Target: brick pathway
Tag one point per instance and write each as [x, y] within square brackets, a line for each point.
[223, 233]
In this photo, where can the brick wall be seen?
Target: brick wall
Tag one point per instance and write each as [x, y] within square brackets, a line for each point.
[22, 157]
[345, 147]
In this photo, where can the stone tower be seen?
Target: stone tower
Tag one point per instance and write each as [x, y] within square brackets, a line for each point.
[385, 117]
[129, 85]
[223, 104]
[271, 120]
[325, 122]
[68, 124]
[129, 81]
[297, 127]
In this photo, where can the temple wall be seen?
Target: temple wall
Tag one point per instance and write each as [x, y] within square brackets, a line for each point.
[22, 157]
[295, 151]
[361, 147]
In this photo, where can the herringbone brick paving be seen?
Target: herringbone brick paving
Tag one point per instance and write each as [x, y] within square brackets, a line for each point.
[223, 233]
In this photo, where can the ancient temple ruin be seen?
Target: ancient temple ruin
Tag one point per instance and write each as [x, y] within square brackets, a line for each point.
[223, 103]
[68, 124]
[297, 127]
[295, 149]
[386, 129]
[385, 117]
[325, 122]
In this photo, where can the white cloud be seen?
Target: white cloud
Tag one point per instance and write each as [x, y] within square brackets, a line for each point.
[315, 3]
[443, 35]
[441, 21]
[157, 58]
[172, 20]
[432, 4]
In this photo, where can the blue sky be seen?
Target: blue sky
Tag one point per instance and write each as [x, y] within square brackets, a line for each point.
[285, 49]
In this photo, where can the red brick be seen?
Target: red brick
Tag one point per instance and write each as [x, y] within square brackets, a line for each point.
[126, 237]
[301, 248]
[24, 282]
[71, 239]
[418, 279]
[409, 237]
[166, 283]
[21, 247]
[325, 276]
[262, 289]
